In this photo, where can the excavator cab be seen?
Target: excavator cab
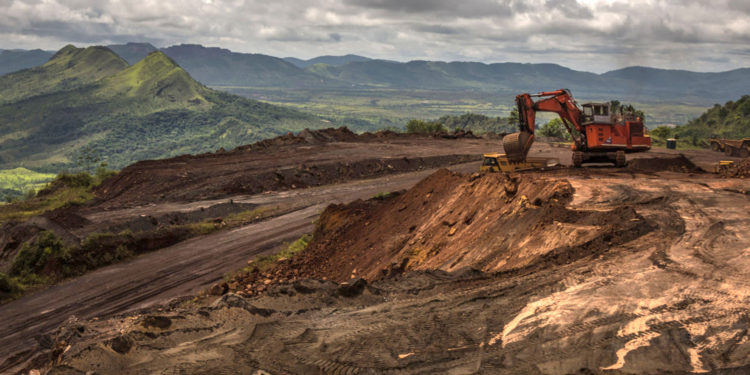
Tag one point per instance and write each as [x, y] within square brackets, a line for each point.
[596, 113]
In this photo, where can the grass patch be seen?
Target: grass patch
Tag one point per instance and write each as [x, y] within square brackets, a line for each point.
[265, 262]
[10, 288]
[382, 195]
[15, 183]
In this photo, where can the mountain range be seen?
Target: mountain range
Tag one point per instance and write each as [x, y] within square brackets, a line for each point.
[223, 68]
[13, 60]
[89, 103]
[327, 60]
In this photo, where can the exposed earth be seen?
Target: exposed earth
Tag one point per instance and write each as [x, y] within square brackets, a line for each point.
[639, 270]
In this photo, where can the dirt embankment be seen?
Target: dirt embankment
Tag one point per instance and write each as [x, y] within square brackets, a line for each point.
[451, 221]
[660, 164]
[310, 158]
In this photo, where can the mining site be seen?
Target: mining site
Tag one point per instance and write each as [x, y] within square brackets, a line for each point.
[416, 264]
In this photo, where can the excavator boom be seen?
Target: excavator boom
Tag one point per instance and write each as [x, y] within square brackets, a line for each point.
[597, 134]
[517, 145]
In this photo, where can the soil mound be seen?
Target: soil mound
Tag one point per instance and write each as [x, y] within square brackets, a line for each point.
[451, 221]
[307, 136]
[676, 164]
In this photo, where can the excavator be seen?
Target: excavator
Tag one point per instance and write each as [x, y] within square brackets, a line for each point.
[598, 135]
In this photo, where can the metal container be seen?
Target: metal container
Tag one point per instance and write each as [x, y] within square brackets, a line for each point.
[671, 143]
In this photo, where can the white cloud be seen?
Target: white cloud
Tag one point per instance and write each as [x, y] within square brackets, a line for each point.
[594, 35]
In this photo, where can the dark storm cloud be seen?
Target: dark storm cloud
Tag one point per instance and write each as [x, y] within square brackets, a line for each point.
[585, 34]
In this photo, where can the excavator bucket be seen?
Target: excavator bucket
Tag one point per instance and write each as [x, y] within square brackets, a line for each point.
[517, 146]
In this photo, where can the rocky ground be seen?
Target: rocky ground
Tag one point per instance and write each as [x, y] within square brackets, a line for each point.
[640, 270]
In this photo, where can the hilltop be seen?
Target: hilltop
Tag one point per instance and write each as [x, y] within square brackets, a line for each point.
[88, 100]
[133, 52]
[327, 59]
[68, 69]
[222, 67]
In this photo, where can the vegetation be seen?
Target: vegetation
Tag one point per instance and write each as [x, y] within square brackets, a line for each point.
[263, 262]
[427, 127]
[479, 124]
[47, 259]
[19, 182]
[67, 70]
[475, 123]
[731, 120]
[152, 109]
[65, 189]
[616, 107]
[554, 128]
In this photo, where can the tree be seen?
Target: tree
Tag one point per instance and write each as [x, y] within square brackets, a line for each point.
[87, 158]
[554, 128]
[514, 119]
[419, 126]
[661, 132]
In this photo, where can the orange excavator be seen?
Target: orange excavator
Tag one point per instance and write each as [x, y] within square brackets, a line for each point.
[598, 135]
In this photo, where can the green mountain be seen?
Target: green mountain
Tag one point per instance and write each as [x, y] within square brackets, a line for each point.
[149, 110]
[68, 69]
[221, 67]
[132, 52]
[327, 59]
[14, 60]
[731, 120]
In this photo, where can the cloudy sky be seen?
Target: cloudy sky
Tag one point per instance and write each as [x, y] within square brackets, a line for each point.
[591, 35]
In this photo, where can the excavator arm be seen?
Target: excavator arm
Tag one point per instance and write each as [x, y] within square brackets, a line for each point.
[517, 145]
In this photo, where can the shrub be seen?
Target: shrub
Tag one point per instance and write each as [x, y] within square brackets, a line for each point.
[81, 179]
[419, 126]
[34, 256]
[8, 286]
[554, 128]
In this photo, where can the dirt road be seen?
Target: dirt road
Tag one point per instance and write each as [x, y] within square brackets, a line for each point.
[178, 270]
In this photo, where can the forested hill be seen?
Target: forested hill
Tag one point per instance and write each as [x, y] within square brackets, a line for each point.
[731, 120]
[89, 102]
